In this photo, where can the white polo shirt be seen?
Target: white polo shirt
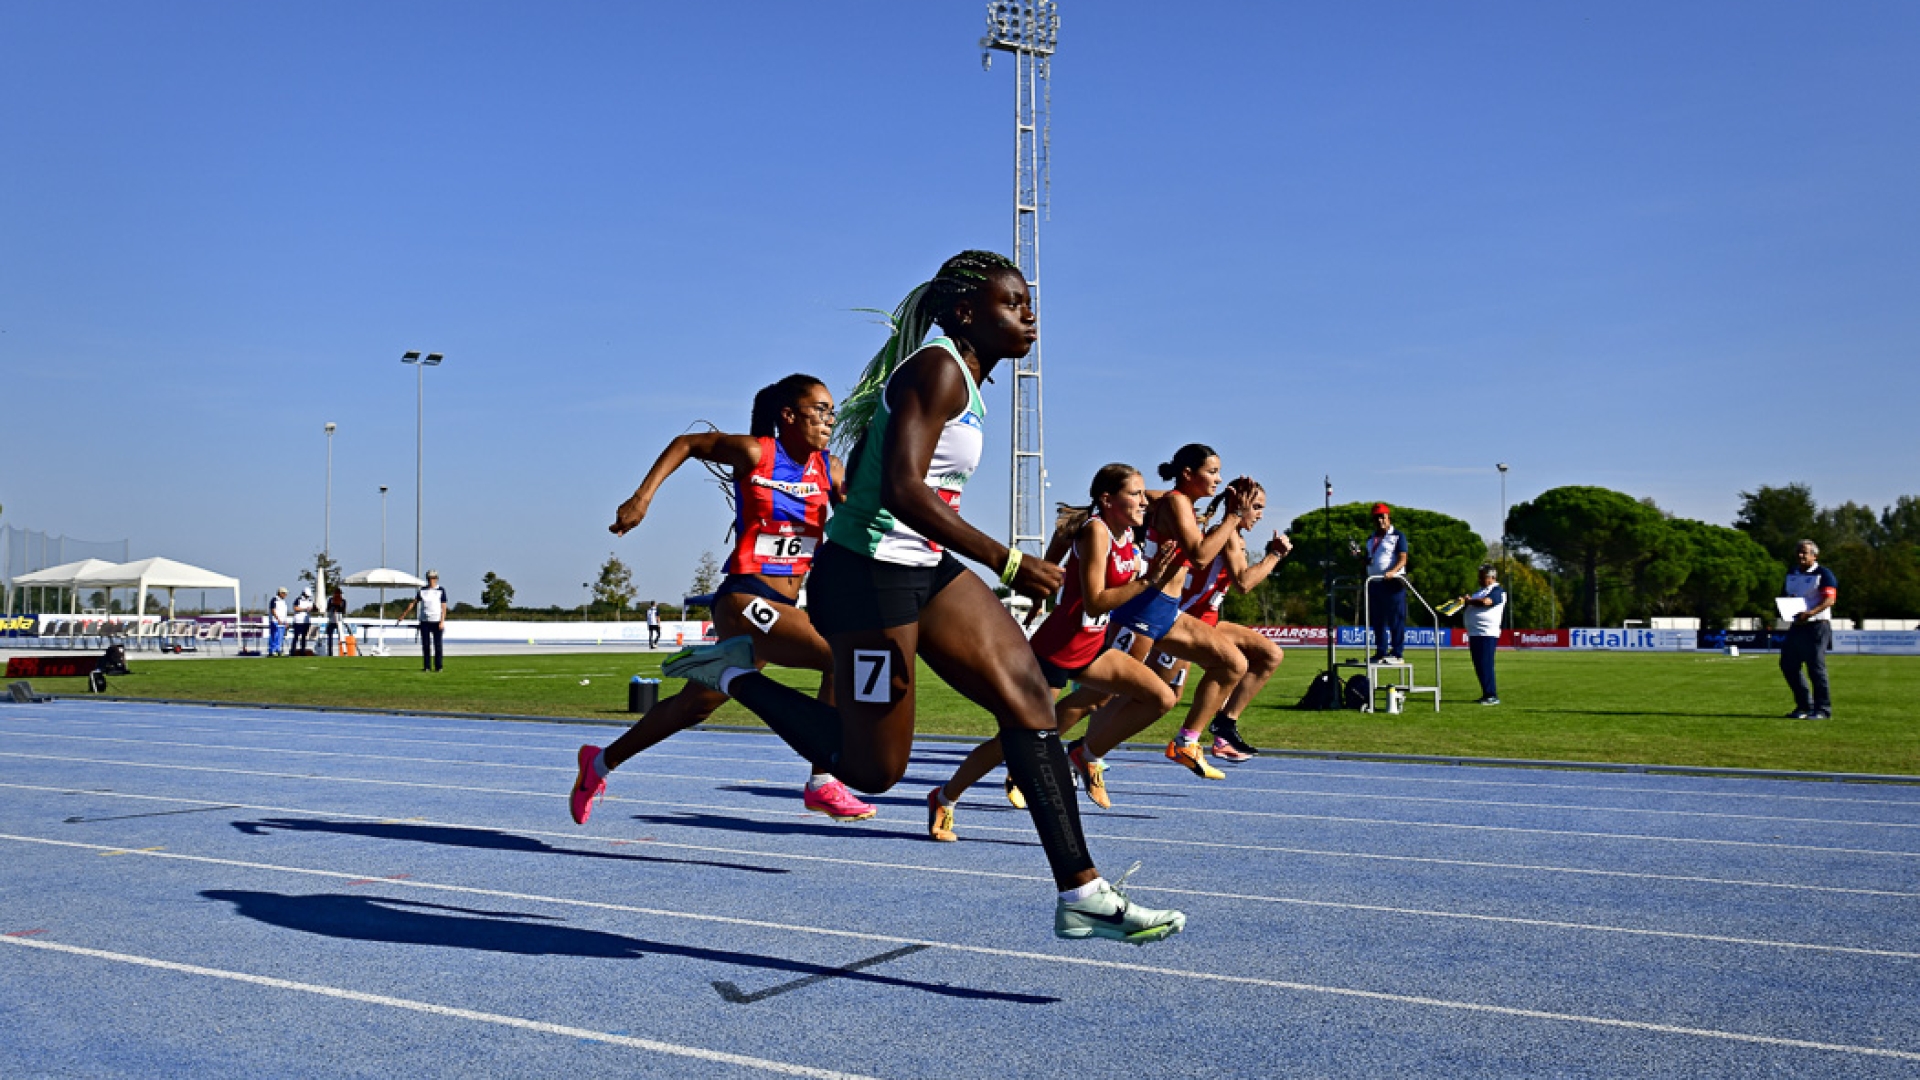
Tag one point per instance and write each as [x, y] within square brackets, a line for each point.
[433, 603]
[1813, 586]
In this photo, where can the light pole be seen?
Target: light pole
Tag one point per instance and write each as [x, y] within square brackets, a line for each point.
[1504, 583]
[420, 366]
[326, 545]
[383, 548]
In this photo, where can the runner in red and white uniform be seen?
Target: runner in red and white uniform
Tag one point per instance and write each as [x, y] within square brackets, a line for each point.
[1206, 591]
[1104, 571]
[783, 481]
[1155, 620]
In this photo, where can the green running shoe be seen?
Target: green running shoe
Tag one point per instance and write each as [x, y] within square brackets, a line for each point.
[705, 664]
[1109, 914]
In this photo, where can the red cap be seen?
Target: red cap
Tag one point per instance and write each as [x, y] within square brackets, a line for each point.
[1382, 508]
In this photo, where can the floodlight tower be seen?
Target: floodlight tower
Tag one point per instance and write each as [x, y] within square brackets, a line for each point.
[1029, 29]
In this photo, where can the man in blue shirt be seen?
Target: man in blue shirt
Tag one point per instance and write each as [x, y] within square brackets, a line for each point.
[1482, 614]
[1811, 633]
[1386, 555]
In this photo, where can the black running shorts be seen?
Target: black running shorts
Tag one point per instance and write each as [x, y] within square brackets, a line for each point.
[848, 592]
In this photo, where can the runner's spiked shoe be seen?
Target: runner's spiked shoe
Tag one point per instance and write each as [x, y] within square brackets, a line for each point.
[705, 664]
[1109, 914]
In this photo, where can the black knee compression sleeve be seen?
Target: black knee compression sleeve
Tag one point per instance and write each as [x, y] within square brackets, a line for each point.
[802, 722]
[1038, 763]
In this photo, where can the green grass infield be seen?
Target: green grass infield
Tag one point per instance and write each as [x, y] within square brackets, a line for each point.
[1687, 709]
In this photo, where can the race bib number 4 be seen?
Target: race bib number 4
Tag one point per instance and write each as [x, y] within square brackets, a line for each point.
[784, 547]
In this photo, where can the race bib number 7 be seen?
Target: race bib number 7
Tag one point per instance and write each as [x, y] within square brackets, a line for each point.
[872, 676]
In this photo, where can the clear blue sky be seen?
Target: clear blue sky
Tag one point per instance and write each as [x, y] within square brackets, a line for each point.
[1665, 248]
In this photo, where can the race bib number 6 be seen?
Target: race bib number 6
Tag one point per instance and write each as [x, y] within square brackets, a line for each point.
[762, 615]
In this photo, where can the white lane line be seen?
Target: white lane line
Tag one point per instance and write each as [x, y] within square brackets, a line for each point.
[655, 1046]
[1046, 958]
[1476, 864]
[569, 767]
[1272, 765]
[1582, 834]
[1331, 905]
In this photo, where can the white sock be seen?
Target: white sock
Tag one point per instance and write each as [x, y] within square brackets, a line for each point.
[600, 767]
[727, 677]
[940, 793]
[819, 780]
[1074, 896]
[1188, 738]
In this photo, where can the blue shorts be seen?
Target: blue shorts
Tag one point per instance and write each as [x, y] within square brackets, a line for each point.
[752, 586]
[1149, 615]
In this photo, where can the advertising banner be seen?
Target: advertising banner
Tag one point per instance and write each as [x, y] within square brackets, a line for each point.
[1294, 635]
[1531, 639]
[1877, 642]
[1744, 640]
[1581, 637]
[19, 626]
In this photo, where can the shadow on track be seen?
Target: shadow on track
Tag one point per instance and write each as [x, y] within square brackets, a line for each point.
[413, 922]
[795, 828]
[483, 839]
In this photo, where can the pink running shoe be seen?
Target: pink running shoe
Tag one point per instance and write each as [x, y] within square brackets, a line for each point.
[834, 800]
[1226, 751]
[587, 786]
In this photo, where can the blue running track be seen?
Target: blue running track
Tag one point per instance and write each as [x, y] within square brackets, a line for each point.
[229, 892]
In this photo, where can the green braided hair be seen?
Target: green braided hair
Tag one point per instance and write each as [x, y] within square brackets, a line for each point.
[929, 303]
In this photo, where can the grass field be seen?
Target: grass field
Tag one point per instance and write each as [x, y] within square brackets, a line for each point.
[1650, 708]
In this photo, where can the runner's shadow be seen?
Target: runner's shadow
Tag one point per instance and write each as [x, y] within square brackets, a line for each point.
[483, 839]
[988, 806]
[791, 828]
[786, 794]
[413, 922]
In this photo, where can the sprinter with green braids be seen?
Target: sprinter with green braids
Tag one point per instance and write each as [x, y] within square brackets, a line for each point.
[887, 588]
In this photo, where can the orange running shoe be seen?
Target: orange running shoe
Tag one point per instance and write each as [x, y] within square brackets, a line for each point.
[939, 819]
[1090, 772]
[1190, 755]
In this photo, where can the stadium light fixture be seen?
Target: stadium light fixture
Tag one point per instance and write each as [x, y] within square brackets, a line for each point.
[420, 365]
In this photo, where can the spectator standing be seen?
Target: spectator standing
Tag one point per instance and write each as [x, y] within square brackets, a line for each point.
[432, 602]
[1482, 616]
[277, 622]
[1386, 555]
[302, 621]
[653, 623]
[1810, 634]
[336, 620]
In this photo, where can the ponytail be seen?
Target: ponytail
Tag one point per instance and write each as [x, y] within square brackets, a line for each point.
[929, 303]
[765, 420]
[1188, 458]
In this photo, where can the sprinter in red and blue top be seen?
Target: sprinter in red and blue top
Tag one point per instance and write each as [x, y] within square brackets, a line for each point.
[782, 483]
[1104, 571]
[780, 514]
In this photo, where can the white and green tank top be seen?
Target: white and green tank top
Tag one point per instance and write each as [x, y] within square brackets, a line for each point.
[861, 524]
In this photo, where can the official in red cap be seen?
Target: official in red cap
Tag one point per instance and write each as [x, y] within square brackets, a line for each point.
[1386, 555]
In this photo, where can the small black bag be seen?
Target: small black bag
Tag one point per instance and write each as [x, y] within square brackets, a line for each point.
[1358, 696]
[114, 660]
[1323, 693]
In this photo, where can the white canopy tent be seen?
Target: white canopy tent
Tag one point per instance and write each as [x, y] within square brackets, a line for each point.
[148, 575]
[382, 578]
[56, 577]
